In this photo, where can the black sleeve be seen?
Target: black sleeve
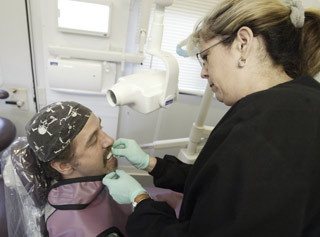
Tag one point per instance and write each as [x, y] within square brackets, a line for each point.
[152, 218]
[170, 173]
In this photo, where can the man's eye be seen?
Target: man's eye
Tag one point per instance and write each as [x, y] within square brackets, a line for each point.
[93, 141]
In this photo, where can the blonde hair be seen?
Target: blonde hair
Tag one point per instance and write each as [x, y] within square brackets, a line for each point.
[296, 49]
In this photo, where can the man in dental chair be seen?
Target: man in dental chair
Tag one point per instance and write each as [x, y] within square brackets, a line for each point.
[68, 140]
[75, 154]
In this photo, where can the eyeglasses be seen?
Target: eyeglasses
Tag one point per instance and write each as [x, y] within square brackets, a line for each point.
[202, 56]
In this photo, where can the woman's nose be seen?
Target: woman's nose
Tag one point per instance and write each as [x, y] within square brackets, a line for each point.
[204, 72]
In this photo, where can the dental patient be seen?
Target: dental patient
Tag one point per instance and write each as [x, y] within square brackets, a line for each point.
[74, 153]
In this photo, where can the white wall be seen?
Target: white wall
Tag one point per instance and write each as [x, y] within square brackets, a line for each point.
[171, 123]
[174, 122]
[311, 3]
[46, 34]
[15, 61]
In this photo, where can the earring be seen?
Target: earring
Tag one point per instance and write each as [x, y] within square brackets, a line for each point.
[241, 62]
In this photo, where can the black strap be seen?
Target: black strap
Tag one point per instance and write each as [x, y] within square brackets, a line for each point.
[111, 232]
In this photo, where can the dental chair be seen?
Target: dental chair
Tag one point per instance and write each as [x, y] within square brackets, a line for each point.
[7, 128]
[7, 133]
[25, 190]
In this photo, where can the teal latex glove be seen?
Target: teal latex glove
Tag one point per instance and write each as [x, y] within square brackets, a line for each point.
[122, 187]
[131, 151]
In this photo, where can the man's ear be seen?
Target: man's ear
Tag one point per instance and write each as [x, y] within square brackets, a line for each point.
[63, 168]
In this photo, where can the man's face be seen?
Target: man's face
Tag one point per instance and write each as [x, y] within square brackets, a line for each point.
[91, 148]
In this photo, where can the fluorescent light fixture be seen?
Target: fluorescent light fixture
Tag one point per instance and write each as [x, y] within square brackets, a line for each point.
[83, 17]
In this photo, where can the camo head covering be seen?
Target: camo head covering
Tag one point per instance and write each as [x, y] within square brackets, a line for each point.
[52, 129]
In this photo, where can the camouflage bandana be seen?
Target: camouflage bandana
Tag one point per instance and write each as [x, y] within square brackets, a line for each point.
[52, 129]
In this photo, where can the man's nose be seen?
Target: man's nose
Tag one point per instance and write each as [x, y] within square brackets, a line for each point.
[106, 140]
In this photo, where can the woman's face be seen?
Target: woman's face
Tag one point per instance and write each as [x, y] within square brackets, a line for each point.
[221, 70]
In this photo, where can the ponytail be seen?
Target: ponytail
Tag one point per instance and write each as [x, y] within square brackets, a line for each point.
[310, 44]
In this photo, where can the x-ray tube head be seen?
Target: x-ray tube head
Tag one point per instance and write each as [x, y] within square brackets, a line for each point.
[149, 90]
[111, 97]
[153, 89]
[141, 91]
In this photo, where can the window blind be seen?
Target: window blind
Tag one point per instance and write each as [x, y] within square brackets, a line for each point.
[179, 21]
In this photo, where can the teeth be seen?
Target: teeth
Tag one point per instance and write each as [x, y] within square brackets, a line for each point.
[109, 156]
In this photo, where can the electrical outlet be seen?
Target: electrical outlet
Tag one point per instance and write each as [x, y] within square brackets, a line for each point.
[18, 97]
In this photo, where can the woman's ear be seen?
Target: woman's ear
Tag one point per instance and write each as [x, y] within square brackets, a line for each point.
[244, 40]
[62, 168]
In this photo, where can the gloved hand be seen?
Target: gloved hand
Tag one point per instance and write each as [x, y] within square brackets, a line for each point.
[131, 151]
[122, 187]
